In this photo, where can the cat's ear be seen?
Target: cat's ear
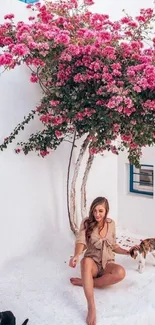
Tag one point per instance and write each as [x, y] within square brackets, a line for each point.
[133, 253]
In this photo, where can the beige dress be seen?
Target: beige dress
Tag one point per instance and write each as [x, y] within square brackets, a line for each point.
[99, 249]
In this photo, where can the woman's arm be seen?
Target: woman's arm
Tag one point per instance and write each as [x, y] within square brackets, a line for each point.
[116, 248]
[79, 248]
[119, 250]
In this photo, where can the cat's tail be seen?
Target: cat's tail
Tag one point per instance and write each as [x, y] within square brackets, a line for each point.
[26, 321]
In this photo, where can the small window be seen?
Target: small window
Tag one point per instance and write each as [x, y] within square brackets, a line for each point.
[141, 179]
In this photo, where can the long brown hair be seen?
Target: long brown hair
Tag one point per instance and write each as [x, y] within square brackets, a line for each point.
[91, 223]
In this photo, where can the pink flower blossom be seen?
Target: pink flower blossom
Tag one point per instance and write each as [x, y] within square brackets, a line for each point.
[58, 133]
[149, 104]
[89, 34]
[126, 138]
[34, 78]
[9, 16]
[141, 19]
[93, 151]
[44, 153]
[31, 18]
[79, 78]
[88, 112]
[95, 72]
[57, 120]
[133, 146]
[17, 150]
[62, 38]
[29, 6]
[105, 37]
[74, 49]
[128, 110]
[47, 118]
[137, 89]
[108, 141]
[116, 127]
[65, 57]
[7, 41]
[88, 2]
[92, 138]
[20, 49]
[79, 116]
[36, 62]
[95, 66]
[54, 103]
[128, 102]
[114, 150]
[133, 24]
[125, 20]
[109, 52]
[100, 102]
[6, 59]
[114, 101]
[31, 44]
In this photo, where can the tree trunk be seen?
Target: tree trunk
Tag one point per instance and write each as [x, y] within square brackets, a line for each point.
[83, 186]
[73, 184]
[72, 226]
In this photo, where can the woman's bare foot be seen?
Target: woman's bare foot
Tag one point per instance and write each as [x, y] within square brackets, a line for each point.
[91, 317]
[76, 281]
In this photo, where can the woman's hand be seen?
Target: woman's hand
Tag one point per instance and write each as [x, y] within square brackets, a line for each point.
[133, 251]
[73, 261]
[134, 247]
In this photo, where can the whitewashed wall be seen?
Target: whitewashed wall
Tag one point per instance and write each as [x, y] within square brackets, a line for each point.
[33, 190]
[32, 197]
[135, 211]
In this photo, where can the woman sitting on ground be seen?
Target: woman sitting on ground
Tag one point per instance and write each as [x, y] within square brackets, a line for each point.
[98, 269]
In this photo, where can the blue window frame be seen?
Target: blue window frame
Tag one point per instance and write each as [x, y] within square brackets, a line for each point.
[141, 179]
[29, 1]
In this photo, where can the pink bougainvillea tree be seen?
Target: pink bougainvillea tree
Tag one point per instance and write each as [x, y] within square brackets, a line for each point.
[97, 77]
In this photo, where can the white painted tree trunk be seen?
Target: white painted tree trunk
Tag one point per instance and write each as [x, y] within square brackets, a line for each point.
[72, 225]
[73, 184]
[83, 186]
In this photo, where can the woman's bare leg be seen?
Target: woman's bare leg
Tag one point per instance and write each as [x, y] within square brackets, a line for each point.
[89, 270]
[113, 273]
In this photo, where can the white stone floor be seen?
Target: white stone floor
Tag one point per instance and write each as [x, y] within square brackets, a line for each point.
[37, 286]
